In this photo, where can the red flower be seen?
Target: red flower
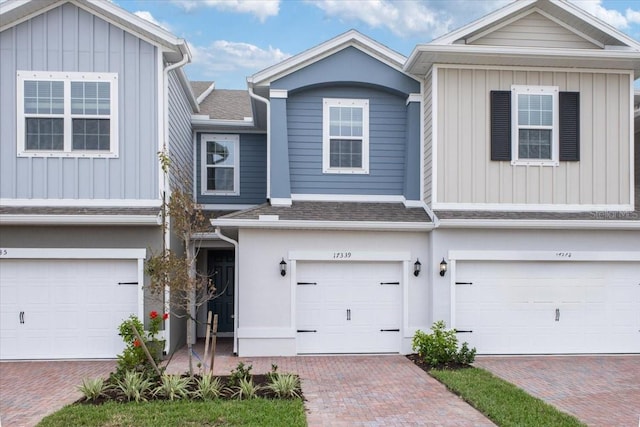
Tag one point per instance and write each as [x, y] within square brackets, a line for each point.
[153, 314]
[165, 316]
[136, 343]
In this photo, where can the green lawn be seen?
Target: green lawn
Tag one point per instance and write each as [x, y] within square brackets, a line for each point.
[256, 412]
[501, 401]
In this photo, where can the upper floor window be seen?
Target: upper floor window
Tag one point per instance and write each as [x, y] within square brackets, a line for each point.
[220, 174]
[535, 125]
[345, 136]
[67, 114]
[535, 133]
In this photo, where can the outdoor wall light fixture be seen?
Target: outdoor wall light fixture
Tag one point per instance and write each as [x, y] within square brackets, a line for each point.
[443, 267]
[417, 266]
[283, 268]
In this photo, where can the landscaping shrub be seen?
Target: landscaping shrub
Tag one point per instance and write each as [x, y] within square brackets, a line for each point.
[440, 347]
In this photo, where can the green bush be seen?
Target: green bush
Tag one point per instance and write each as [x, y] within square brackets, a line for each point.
[440, 347]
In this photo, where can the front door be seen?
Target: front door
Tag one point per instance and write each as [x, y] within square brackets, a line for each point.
[220, 264]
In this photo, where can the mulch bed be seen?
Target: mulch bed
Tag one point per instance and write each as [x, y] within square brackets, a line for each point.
[419, 362]
[260, 380]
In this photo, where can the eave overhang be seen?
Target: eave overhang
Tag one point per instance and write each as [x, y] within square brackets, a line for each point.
[424, 56]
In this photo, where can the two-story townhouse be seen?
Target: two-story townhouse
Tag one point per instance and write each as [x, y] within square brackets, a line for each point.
[329, 261]
[89, 95]
[529, 168]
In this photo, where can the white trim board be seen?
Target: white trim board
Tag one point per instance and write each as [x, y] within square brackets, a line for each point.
[72, 253]
[525, 207]
[559, 255]
[80, 219]
[82, 203]
[323, 225]
[540, 224]
[348, 198]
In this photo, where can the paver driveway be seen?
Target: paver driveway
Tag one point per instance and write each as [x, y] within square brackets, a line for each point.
[599, 390]
[340, 390]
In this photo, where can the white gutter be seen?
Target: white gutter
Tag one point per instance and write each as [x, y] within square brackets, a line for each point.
[236, 295]
[80, 220]
[268, 104]
[199, 120]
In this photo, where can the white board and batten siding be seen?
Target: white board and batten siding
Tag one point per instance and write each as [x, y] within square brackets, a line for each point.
[466, 175]
[575, 303]
[67, 303]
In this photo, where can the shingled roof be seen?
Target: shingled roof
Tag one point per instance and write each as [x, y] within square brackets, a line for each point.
[336, 212]
[226, 104]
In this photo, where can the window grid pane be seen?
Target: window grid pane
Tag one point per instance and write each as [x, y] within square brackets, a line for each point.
[220, 178]
[534, 144]
[43, 97]
[220, 153]
[44, 134]
[90, 98]
[345, 121]
[91, 134]
[345, 153]
[535, 110]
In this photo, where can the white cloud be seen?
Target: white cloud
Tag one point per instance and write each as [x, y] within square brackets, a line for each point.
[262, 9]
[425, 19]
[633, 16]
[147, 16]
[224, 57]
[610, 16]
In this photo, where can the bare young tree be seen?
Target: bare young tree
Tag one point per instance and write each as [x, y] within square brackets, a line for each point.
[176, 272]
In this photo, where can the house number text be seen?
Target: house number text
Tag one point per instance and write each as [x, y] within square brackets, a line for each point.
[3, 252]
[341, 255]
[563, 254]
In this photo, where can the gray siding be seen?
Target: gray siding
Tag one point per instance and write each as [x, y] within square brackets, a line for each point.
[428, 137]
[67, 38]
[179, 134]
[535, 30]
[253, 172]
[387, 143]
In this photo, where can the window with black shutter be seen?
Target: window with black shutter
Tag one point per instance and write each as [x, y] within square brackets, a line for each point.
[535, 125]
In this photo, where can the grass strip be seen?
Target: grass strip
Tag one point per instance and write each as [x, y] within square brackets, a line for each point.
[255, 412]
[502, 402]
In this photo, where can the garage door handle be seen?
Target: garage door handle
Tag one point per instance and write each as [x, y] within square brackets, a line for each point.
[348, 314]
[127, 283]
[307, 330]
[390, 283]
[22, 317]
[557, 314]
[389, 330]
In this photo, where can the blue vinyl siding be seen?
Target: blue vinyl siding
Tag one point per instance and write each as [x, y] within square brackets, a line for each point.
[253, 172]
[387, 143]
[67, 38]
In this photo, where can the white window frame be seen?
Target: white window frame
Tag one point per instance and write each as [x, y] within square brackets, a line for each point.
[235, 139]
[326, 137]
[67, 78]
[515, 127]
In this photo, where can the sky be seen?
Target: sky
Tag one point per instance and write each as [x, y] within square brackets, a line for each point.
[233, 39]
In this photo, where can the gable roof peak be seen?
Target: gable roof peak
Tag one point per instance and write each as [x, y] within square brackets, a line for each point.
[573, 16]
[350, 38]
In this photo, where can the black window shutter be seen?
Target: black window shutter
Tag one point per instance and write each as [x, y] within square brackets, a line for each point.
[569, 104]
[500, 125]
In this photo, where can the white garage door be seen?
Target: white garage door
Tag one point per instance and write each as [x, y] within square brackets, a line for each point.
[56, 309]
[348, 307]
[548, 307]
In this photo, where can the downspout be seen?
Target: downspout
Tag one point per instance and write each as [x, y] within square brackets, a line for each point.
[166, 190]
[236, 295]
[268, 104]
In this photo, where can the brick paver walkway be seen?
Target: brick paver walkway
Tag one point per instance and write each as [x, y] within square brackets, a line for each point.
[340, 390]
[599, 390]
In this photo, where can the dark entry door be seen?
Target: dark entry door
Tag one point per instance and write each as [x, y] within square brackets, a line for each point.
[221, 271]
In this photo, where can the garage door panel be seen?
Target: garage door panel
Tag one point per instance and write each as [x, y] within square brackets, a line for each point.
[598, 306]
[72, 308]
[348, 307]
